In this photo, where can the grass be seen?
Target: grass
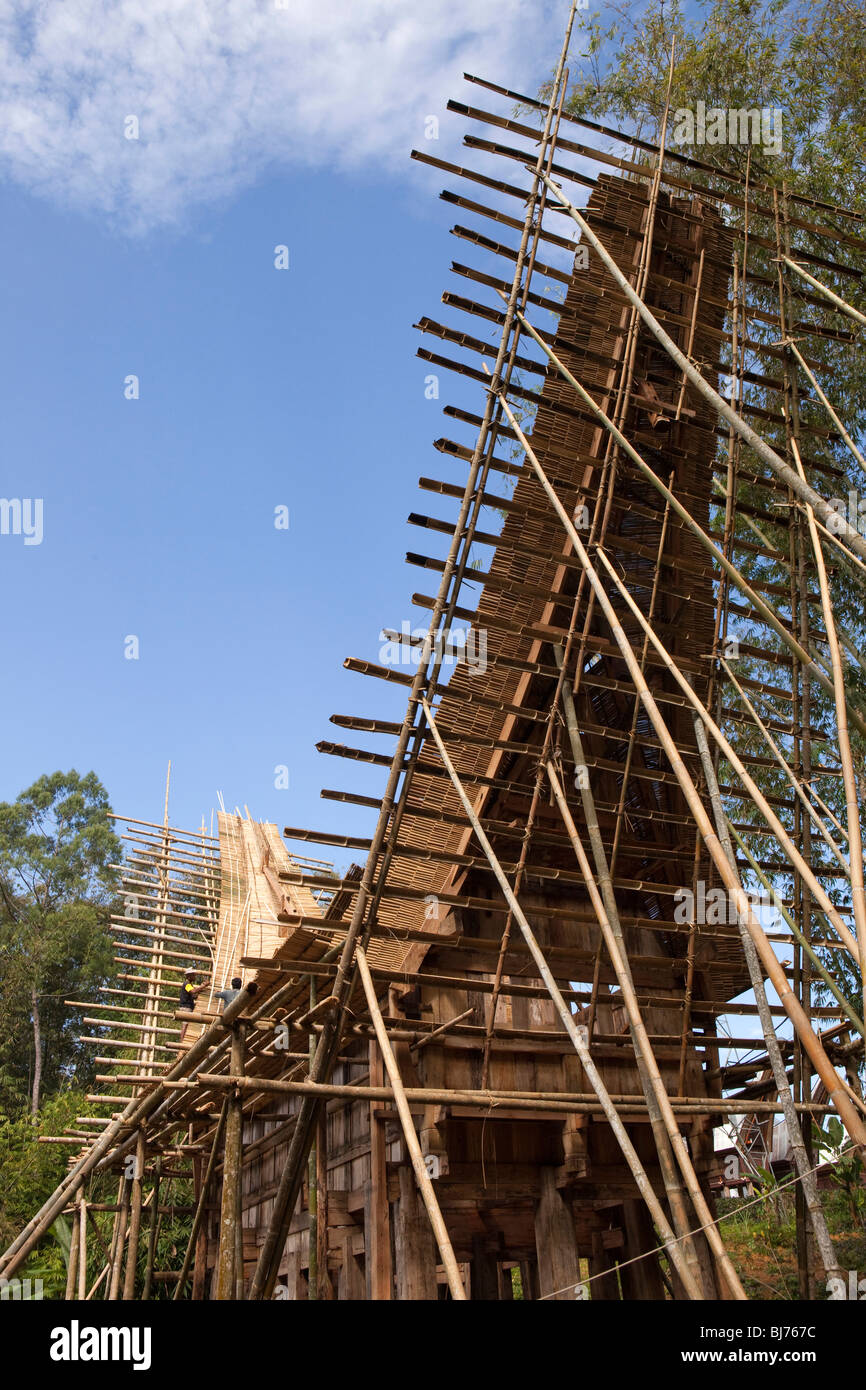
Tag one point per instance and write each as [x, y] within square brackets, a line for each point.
[761, 1240]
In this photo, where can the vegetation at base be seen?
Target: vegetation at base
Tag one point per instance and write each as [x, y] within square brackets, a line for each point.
[760, 1238]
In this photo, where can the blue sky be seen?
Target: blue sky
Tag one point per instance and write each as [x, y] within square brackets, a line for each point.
[258, 388]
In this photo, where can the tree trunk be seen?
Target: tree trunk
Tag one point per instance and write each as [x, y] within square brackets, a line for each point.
[37, 1054]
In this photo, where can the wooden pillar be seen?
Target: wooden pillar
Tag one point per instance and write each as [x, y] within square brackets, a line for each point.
[415, 1248]
[227, 1259]
[641, 1280]
[605, 1285]
[352, 1284]
[529, 1280]
[326, 1289]
[555, 1241]
[484, 1273]
[151, 1231]
[377, 1212]
[135, 1220]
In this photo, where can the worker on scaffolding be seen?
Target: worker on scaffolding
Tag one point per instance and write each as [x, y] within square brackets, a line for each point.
[228, 996]
[189, 992]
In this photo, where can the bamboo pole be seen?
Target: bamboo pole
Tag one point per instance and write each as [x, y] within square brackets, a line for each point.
[135, 1220]
[826, 404]
[97, 1283]
[836, 299]
[119, 1240]
[575, 1034]
[227, 1272]
[788, 999]
[616, 950]
[72, 1263]
[769, 456]
[82, 1247]
[425, 1186]
[555, 1102]
[152, 1227]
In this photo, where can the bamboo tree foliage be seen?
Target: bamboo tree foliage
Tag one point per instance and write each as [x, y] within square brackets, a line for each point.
[807, 61]
[56, 887]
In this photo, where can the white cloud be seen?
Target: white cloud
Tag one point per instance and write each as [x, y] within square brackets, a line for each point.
[224, 89]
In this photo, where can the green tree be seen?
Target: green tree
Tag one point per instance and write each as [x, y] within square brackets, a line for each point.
[56, 885]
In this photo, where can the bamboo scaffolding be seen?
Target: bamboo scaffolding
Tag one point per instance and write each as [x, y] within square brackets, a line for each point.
[765, 610]
[575, 1034]
[795, 1136]
[786, 768]
[751, 788]
[802, 490]
[368, 895]
[615, 945]
[791, 1004]
[540, 1102]
[798, 936]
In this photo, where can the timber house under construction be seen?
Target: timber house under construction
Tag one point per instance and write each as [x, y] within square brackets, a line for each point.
[494, 1043]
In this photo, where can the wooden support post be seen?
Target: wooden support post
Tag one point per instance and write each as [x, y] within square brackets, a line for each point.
[414, 1247]
[641, 1280]
[352, 1284]
[377, 1213]
[484, 1273]
[135, 1220]
[227, 1273]
[605, 1284]
[313, 1182]
[555, 1242]
[325, 1288]
[529, 1280]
